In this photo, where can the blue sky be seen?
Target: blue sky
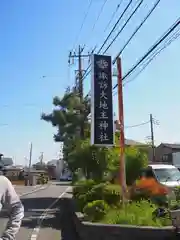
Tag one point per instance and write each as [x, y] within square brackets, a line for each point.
[35, 40]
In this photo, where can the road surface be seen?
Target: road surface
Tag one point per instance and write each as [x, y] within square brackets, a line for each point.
[36, 207]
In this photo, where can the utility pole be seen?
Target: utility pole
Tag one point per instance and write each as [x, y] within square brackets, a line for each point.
[152, 137]
[80, 72]
[41, 158]
[122, 138]
[30, 161]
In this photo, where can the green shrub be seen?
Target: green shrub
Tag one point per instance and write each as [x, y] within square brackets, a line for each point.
[136, 159]
[88, 192]
[97, 191]
[95, 210]
[177, 193]
[94, 193]
[112, 194]
[139, 214]
[138, 195]
[82, 187]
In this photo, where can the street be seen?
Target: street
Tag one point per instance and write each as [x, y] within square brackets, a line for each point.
[39, 205]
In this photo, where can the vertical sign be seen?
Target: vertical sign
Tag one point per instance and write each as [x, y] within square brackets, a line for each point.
[102, 127]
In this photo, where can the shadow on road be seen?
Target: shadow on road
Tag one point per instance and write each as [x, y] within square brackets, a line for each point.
[59, 217]
[34, 208]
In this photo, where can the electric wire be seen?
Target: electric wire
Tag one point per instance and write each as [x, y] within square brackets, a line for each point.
[134, 33]
[95, 23]
[164, 36]
[83, 22]
[132, 14]
[87, 71]
[137, 29]
[114, 39]
[115, 25]
[113, 15]
[138, 125]
[152, 57]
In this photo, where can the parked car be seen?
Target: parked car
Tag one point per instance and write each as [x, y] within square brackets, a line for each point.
[66, 178]
[165, 174]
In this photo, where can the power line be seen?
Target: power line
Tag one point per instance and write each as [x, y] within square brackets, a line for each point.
[97, 19]
[137, 125]
[137, 29]
[113, 15]
[115, 25]
[150, 59]
[170, 30]
[132, 14]
[148, 62]
[100, 12]
[87, 71]
[153, 56]
[83, 22]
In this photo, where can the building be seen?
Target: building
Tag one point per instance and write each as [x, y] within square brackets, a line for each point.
[7, 161]
[165, 149]
[55, 168]
[13, 172]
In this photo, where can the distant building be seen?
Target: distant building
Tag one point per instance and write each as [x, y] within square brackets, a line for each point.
[164, 149]
[6, 161]
[55, 168]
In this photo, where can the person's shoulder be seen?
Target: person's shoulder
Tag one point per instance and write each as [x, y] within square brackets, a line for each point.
[4, 180]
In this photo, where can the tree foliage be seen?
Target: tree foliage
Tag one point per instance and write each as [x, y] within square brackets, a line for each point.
[69, 117]
[135, 160]
[93, 161]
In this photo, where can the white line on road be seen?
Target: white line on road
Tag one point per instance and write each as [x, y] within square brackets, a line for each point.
[36, 230]
[32, 191]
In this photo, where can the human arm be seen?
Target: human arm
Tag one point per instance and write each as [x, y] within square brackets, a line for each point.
[12, 202]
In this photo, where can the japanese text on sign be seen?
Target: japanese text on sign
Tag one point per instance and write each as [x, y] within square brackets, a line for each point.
[103, 117]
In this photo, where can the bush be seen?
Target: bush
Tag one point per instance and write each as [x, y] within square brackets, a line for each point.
[97, 191]
[138, 195]
[43, 179]
[92, 193]
[112, 194]
[177, 193]
[135, 161]
[95, 210]
[88, 192]
[139, 214]
[82, 187]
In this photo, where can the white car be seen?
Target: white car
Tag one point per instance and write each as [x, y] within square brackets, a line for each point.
[165, 174]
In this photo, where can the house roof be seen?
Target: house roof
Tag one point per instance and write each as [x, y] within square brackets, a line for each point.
[171, 145]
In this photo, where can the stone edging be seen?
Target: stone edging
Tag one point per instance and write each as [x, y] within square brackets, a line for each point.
[96, 231]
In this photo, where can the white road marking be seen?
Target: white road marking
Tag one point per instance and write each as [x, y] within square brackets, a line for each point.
[34, 190]
[36, 230]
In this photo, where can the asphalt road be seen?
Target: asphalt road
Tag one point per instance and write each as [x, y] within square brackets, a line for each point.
[36, 205]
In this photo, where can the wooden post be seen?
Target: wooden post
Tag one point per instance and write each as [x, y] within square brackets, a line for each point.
[122, 139]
